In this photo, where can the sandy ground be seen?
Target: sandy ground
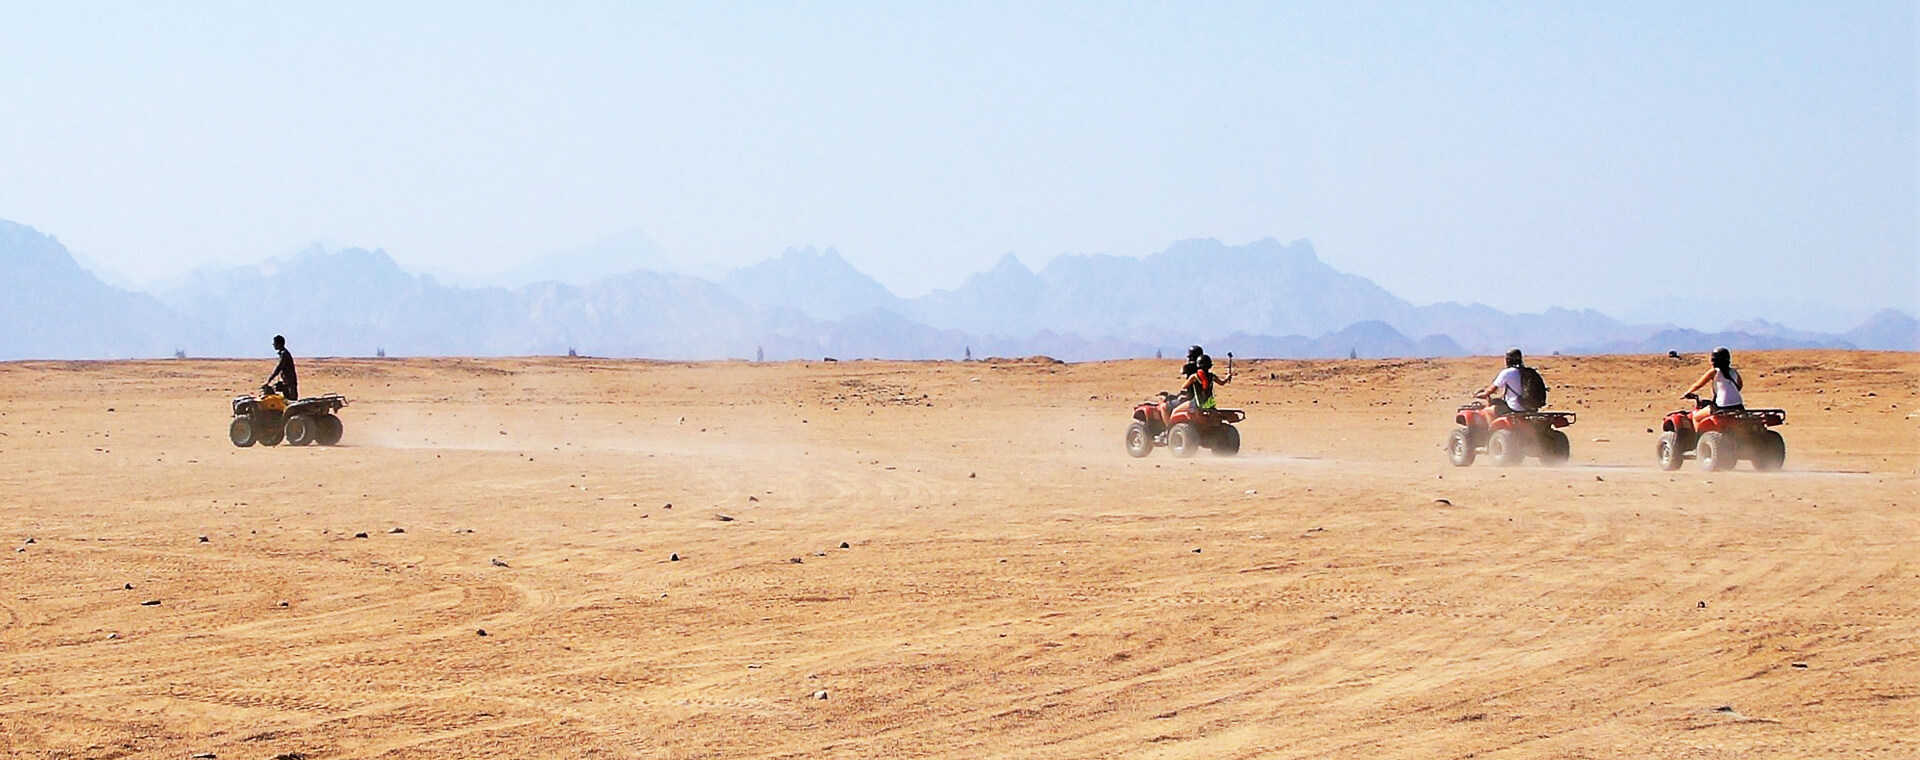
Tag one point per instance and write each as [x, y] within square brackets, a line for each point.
[946, 560]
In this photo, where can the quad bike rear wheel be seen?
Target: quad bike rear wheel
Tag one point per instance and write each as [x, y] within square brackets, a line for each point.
[1139, 439]
[1715, 452]
[1555, 449]
[1769, 450]
[330, 430]
[1460, 450]
[1507, 447]
[1668, 451]
[241, 431]
[1183, 440]
[301, 430]
[1226, 443]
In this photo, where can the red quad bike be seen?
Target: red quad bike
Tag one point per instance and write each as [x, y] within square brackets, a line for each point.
[1184, 433]
[1720, 441]
[1508, 438]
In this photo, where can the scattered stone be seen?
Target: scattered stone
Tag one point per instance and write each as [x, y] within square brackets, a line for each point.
[796, 560]
[1649, 430]
[1603, 440]
[31, 540]
[1442, 503]
[845, 545]
[972, 475]
[203, 539]
[1196, 550]
[128, 587]
[1600, 479]
[669, 505]
[674, 558]
[723, 517]
[113, 636]
[753, 498]
[283, 603]
[204, 756]
[291, 756]
[1701, 605]
[398, 530]
[821, 694]
[497, 563]
[150, 603]
[480, 631]
[1800, 665]
[361, 534]
[1251, 492]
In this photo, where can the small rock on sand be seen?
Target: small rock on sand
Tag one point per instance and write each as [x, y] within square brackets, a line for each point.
[361, 534]
[150, 603]
[675, 557]
[845, 545]
[723, 517]
[1442, 503]
[821, 694]
[497, 563]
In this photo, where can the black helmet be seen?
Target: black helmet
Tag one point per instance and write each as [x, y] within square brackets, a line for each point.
[1206, 362]
[1187, 369]
[1195, 352]
[1513, 357]
[1722, 358]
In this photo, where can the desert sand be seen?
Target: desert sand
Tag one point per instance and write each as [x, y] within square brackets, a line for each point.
[952, 560]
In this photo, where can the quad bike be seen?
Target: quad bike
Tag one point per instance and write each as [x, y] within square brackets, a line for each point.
[1508, 438]
[1720, 440]
[1186, 431]
[268, 418]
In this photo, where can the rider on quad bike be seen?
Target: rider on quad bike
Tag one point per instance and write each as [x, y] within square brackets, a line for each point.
[1721, 431]
[1186, 424]
[1510, 427]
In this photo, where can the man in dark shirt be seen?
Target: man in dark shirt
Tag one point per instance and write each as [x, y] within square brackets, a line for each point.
[285, 371]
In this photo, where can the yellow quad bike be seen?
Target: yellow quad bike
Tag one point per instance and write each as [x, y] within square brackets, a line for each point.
[268, 418]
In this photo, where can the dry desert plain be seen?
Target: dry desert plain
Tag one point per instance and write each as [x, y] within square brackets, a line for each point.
[953, 560]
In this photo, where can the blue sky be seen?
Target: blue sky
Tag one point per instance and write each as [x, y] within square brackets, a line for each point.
[1521, 154]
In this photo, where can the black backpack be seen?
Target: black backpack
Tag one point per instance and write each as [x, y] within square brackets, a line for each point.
[1533, 390]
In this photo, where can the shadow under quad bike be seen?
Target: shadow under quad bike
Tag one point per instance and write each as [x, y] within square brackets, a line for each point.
[1508, 438]
[1721, 439]
[268, 418]
[1184, 432]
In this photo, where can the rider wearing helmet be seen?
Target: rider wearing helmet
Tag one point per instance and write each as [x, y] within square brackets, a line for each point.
[1726, 384]
[1201, 384]
[1509, 385]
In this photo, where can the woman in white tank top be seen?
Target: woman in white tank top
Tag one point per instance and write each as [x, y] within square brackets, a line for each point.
[1726, 382]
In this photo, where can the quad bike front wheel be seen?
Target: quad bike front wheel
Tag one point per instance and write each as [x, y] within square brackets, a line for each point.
[241, 431]
[1460, 450]
[330, 430]
[1555, 449]
[1139, 439]
[1769, 450]
[1715, 452]
[1183, 440]
[1226, 443]
[1668, 451]
[301, 430]
[1507, 448]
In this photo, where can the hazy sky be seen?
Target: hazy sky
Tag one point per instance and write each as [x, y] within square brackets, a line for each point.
[1521, 154]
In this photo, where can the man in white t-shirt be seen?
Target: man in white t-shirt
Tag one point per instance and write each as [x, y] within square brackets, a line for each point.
[1509, 386]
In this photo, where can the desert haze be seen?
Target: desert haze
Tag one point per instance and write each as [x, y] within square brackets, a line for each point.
[594, 558]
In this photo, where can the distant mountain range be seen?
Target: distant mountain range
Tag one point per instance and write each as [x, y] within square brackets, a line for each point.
[1261, 299]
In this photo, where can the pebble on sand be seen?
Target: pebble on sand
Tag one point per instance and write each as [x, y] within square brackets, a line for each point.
[845, 545]
[480, 631]
[821, 694]
[497, 563]
[361, 534]
[723, 517]
[398, 530]
[150, 603]
[675, 557]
